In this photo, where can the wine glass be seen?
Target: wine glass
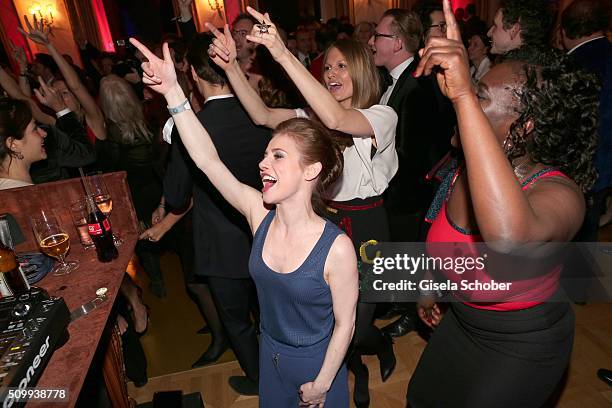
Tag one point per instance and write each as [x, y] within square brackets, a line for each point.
[103, 200]
[53, 241]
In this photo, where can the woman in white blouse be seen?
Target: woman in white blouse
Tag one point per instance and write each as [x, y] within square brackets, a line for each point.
[347, 104]
[21, 144]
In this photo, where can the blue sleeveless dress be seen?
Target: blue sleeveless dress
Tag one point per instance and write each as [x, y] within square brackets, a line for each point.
[297, 321]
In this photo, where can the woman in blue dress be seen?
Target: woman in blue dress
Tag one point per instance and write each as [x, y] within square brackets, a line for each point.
[304, 267]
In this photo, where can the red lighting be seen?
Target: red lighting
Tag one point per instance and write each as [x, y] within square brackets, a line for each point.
[105, 34]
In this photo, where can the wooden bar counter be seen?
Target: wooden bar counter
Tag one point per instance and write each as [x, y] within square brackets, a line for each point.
[69, 364]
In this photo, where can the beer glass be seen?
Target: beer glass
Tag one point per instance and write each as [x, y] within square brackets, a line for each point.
[53, 240]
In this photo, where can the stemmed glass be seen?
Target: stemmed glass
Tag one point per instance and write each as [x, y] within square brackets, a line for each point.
[103, 200]
[53, 241]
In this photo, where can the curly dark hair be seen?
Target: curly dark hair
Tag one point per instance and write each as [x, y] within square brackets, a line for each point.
[563, 105]
[534, 16]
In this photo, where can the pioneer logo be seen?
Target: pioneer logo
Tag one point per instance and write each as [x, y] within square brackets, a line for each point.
[25, 381]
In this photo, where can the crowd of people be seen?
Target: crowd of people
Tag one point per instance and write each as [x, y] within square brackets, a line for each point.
[280, 155]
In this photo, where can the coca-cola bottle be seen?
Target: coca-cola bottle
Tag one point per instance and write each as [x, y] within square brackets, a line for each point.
[12, 280]
[101, 233]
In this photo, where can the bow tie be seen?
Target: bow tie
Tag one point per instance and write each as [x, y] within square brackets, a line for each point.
[386, 78]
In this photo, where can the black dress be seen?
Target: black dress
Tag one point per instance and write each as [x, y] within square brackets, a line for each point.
[137, 159]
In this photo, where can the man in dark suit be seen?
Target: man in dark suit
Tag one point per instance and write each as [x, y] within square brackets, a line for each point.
[395, 43]
[583, 25]
[222, 238]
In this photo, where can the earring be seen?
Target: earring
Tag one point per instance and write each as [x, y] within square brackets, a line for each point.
[507, 146]
[19, 156]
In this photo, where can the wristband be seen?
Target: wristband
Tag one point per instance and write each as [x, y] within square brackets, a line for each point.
[185, 105]
[63, 112]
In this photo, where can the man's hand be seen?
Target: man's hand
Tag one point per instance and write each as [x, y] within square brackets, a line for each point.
[49, 96]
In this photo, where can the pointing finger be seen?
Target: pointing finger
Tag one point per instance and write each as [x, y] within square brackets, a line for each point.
[166, 53]
[452, 28]
[145, 51]
[214, 30]
[228, 34]
[256, 14]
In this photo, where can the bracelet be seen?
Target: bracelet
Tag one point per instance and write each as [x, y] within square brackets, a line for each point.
[180, 108]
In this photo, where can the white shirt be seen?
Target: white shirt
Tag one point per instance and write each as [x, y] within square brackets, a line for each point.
[304, 59]
[169, 125]
[483, 68]
[581, 44]
[365, 176]
[395, 74]
[6, 183]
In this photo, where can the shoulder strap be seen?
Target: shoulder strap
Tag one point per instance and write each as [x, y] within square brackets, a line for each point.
[262, 230]
[544, 173]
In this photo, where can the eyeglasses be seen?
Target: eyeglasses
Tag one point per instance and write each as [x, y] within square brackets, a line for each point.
[441, 26]
[240, 33]
[377, 34]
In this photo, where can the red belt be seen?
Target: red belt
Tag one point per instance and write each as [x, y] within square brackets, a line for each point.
[345, 207]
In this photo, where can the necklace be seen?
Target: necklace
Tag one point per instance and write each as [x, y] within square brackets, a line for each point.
[523, 168]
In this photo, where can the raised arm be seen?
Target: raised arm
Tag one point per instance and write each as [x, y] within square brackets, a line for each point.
[504, 213]
[160, 76]
[93, 115]
[343, 279]
[7, 82]
[20, 56]
[223, 53]
[333, 115]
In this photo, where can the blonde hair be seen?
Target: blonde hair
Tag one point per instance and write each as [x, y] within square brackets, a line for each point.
[363, 72]
[122, 107]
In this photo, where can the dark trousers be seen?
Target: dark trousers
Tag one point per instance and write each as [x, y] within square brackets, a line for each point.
[233, 298]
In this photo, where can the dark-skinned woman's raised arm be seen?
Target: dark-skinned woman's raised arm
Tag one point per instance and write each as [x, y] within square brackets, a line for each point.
[505, 214]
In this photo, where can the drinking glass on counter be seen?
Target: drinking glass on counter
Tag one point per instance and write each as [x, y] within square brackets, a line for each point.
[79, 212]
[53, 240]
[103, 200]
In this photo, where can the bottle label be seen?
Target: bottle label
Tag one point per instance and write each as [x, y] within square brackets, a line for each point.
[5, 290]
[23, 276]
[99, 229]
